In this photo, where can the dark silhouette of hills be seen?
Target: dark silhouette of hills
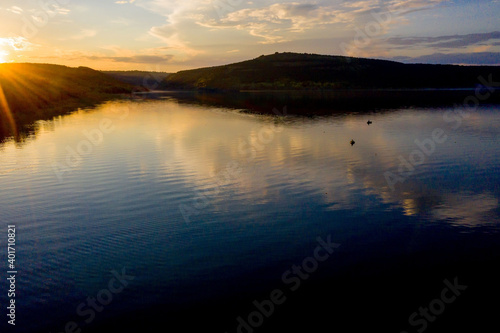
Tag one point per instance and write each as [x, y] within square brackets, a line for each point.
[31, 92]
[149, 80]
[288, 71]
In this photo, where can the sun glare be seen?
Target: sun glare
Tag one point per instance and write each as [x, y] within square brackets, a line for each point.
[3, 56]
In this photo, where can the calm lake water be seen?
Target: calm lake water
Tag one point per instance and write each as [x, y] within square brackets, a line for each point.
[207, 209]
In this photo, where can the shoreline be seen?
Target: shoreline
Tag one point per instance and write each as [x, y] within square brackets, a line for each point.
[24, 121]
[298, 102]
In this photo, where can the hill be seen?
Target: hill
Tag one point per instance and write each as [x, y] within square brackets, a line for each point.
[149, 80]
[31, 92]
[310, 71]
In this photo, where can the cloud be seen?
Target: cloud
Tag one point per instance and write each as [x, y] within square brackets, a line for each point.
[136, 59]
[52, 9]
[277, 22]
[196, 30]
[15, 43]
[409, 6]
[477, 58]
[15, 10]
[280, 22]
[203, 27]
[173, 39]
[445, 42]
[469, 49]
[180, 28]
[118, 55]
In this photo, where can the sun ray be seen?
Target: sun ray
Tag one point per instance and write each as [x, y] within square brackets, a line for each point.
[22, 80]
[5, 111]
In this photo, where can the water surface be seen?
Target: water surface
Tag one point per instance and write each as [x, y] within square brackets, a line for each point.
[208, 206]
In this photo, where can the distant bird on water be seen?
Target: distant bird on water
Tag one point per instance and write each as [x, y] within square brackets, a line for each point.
[369, 122]
[353, 142]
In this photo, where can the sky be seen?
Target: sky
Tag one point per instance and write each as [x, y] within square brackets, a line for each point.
[173, 35]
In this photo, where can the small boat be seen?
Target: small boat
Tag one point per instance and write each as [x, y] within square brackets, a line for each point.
[369, 122]
[353, 142]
